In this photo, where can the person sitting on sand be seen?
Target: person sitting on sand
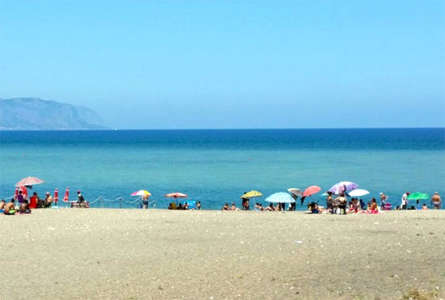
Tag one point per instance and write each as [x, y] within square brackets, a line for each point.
[33, 201]
[9, 208]
[2, 205]
[313, 208]
[436, 201]
[226, 206]
[424, 207]
[374, 209]
[24, 208]
[233, 207]
[48, 200]
[354, 207]
[270, 207]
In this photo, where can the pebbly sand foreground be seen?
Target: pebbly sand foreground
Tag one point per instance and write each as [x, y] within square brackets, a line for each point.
[160, 254]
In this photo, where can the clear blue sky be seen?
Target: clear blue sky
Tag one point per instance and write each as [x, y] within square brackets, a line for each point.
[231, 64]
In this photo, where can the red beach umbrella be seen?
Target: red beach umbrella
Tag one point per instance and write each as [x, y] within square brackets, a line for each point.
[56, 196]
[67, 195]
[313, 189]
[176, 195]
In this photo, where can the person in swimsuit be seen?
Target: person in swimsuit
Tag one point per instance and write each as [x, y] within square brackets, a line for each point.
[226, 206]
[9, 208]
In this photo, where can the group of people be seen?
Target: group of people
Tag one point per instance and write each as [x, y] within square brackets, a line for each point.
[339, 204]
[25, 205]
[184, 206]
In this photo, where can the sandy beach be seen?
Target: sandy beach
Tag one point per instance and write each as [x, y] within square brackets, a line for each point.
[160, 254]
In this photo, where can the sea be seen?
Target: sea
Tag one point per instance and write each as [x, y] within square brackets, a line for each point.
[217, 166]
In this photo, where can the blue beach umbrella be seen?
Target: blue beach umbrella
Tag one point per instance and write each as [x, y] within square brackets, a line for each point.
[280, 198]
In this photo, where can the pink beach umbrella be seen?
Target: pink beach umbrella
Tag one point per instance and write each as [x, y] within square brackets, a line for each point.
[29, 181]
[67, 195]
[313, 189]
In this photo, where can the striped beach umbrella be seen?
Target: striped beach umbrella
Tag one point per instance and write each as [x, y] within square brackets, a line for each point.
[29, 181]
[176, 195]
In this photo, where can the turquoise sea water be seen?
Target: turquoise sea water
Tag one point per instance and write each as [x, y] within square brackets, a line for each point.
[217, 166]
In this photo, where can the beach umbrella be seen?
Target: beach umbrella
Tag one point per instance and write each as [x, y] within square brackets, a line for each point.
[343, 186]
[313, 189]
[251, 194]
[280, 198]
[358, 193]
[176, 195]
[66, 198]
[418, 196]
[294, 191]
[56, 196]
[141, 193]
[29, 181]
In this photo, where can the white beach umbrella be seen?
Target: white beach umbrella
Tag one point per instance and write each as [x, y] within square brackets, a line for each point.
[295, 191]
[358, 193]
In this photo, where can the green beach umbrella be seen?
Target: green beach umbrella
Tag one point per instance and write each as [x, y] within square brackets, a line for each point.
[418, 196]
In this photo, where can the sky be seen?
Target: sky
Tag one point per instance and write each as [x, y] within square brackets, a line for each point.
[231, 64]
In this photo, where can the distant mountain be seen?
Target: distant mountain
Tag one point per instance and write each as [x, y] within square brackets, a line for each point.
[39, 114]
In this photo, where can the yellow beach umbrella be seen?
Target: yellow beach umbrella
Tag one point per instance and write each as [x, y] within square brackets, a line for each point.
[142, 193]
[251, 194]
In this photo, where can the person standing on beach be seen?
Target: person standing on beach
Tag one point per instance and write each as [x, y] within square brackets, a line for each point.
[436, 201]
[404, 204]
[20, 198]
[329, 203]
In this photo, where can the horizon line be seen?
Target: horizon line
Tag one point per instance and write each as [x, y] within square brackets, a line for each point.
[221, 129]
